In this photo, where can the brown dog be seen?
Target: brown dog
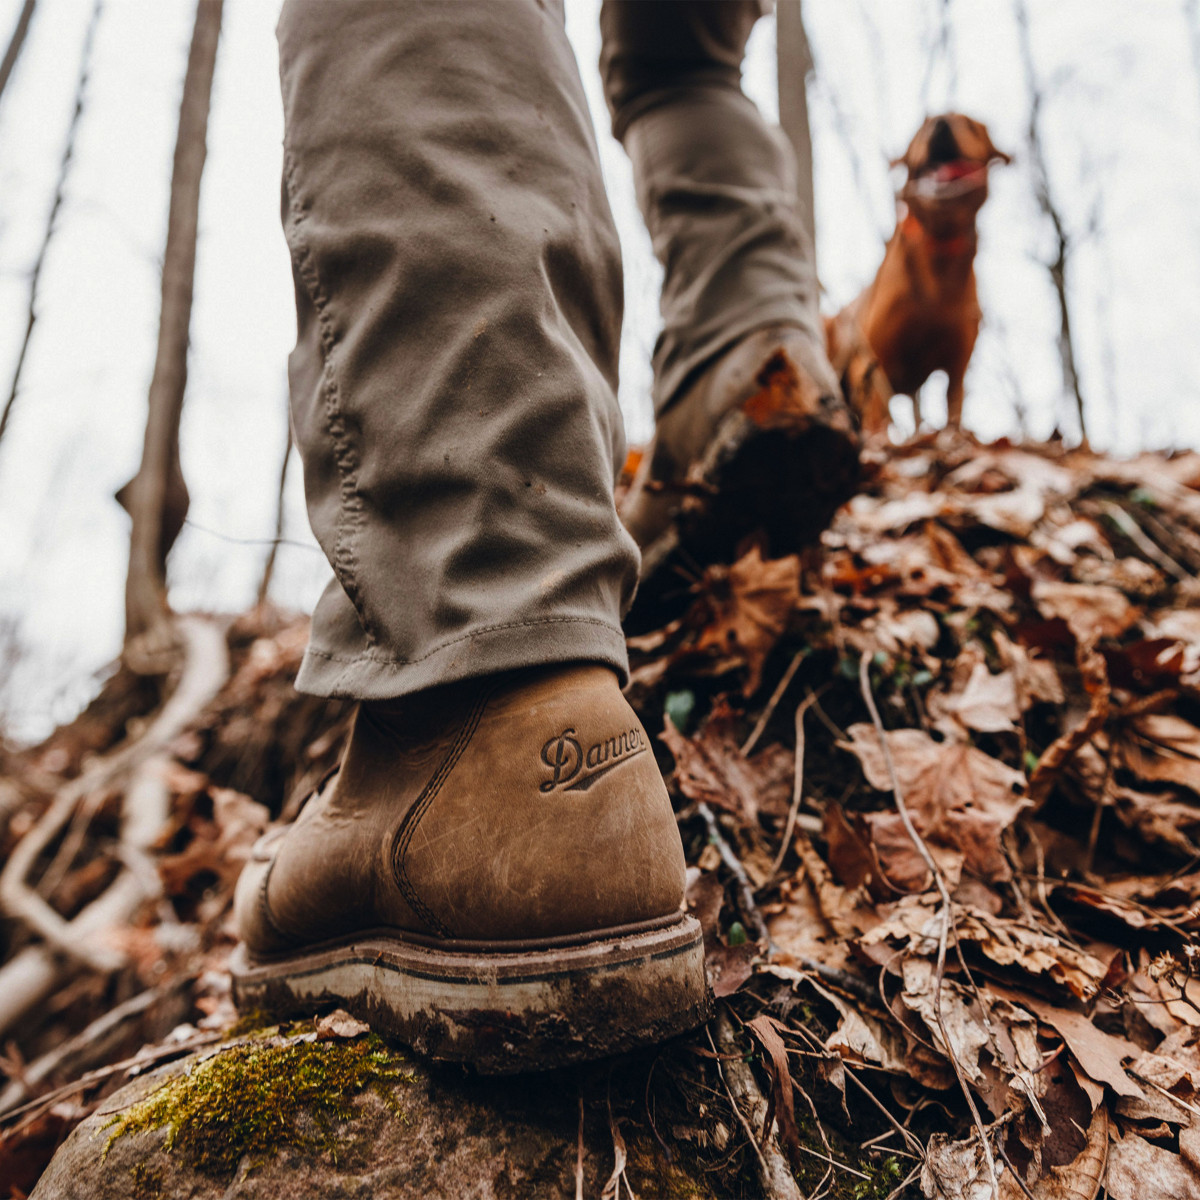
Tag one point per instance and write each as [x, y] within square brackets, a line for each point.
[921, 313]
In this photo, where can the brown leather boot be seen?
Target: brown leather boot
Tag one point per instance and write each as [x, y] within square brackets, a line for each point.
[760, 440]
[494, 875]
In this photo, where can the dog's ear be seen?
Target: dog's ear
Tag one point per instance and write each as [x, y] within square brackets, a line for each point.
[993, 153]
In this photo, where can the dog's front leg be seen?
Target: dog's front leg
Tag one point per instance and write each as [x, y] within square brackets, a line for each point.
[954, 398]
[916, 403]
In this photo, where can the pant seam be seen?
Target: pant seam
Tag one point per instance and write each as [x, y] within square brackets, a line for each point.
[395, 660]
[343, 557]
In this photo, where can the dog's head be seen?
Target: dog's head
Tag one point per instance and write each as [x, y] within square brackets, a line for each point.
[947, 165]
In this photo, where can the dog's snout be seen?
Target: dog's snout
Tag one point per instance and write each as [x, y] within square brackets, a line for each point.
[942, 144]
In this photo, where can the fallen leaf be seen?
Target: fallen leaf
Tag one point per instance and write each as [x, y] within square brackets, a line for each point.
[710, 767]
[1163, 748]
[956, 1170]
[959, 1014]
[1080, 1179]
[1100, 1054]
[956, 794]
[1091, 611]
[781, 1106]
[1139, 1171]
[750, 603]
[340, 1024]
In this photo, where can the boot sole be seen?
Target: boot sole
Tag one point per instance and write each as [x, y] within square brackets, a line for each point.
[523, 1010]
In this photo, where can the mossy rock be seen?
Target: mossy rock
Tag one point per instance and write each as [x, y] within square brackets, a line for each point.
[269, 1116]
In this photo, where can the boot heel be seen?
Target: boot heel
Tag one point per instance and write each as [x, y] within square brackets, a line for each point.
[520, 1010]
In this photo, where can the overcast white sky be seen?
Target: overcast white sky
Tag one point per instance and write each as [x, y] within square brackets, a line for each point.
[1123, 128]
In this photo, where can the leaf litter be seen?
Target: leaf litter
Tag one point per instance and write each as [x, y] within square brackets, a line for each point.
[972, 969]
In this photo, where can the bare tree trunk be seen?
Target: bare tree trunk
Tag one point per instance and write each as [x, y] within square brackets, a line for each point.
[156, 498]
[85, 67]
[1058, 265]
[794, 64]
[15, 43]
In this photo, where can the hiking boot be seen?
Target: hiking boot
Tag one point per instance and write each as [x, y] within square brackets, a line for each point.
[760, 440]
[494, 875]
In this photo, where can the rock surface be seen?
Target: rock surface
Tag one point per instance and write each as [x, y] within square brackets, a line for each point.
[280, 1120]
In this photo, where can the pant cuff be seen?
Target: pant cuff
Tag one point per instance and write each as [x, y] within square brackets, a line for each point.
[373, 675]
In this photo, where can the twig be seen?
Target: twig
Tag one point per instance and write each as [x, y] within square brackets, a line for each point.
[798, 787]
[897, 1192]
[773, 703]
[92, 1042]
[734, 864]
[141, 1059]
[944, 934]
[1015, 1173]
[1133, 531]
[775, 1174]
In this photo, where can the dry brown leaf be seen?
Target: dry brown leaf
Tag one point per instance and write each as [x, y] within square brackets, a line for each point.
[798, 928]
[846, 909]
[1100, 1054]
[710, 767]
[728, 967]
[1080, 1179]
[1036, 678]
[1012, 943]
[751, 602]
[339, 1024]
[1163, 748]
[221, 845]
[959, 1013]
[781, 1106]
[956, 1170]
[1139, 1171]
[1091, 611]
[957, 795]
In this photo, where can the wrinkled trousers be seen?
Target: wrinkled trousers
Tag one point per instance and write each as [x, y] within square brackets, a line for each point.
[459, 301]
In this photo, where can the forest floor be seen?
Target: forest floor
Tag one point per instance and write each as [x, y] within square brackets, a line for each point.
[938, 782]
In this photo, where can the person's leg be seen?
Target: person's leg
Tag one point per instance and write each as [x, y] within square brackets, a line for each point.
[495, 873]
[716, 184]
[458, 283]
[751, 431]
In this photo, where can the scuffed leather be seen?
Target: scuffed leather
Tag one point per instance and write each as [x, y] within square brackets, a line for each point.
[471, 812]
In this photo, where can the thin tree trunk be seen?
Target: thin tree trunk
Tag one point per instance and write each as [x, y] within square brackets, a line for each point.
[156, 497]
[794, 64]
[1058, 266]
[85, 67]
[269, 566]
[15, 43]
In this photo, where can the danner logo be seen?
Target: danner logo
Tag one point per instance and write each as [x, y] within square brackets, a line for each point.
[575, 770]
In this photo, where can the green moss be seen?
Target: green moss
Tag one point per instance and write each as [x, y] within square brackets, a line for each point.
[254, 1099]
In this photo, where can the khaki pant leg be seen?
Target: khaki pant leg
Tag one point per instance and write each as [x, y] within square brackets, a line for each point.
[458, 290]
[716, 185]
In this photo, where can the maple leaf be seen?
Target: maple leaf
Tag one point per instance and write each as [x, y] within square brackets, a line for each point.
[751, 602]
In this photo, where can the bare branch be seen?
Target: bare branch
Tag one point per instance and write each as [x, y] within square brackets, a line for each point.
[1058, 265]
[15, 43]
[85, 67]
